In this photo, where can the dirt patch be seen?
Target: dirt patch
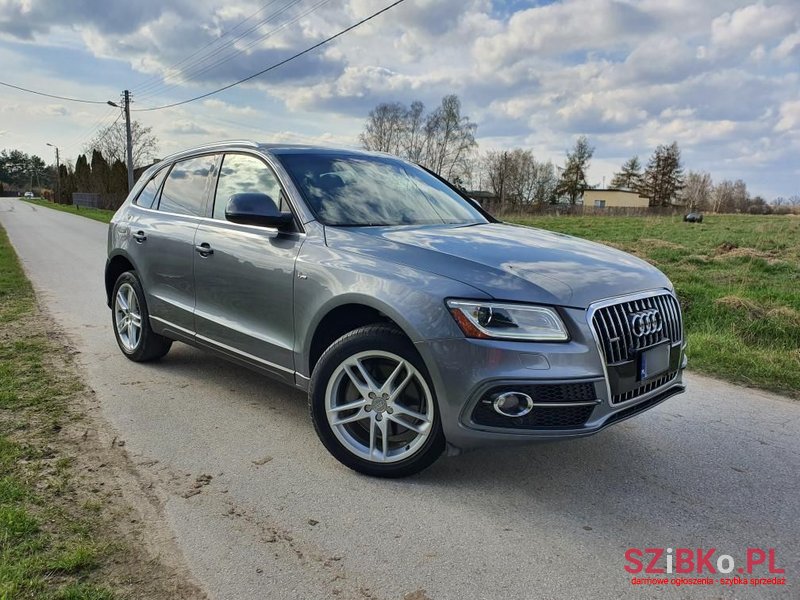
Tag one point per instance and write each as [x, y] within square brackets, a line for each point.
[727, 250]
[656, 243]
[785, 314]
[754, 310]
[738, 304]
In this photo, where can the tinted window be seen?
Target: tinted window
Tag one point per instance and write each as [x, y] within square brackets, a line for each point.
[353, 190]
[241, 173]
[184, 191]
[149, 193]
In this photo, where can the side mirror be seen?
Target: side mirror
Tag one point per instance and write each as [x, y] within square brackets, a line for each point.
[253, 208]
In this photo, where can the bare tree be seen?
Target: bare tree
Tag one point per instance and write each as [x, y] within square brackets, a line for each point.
[517, 178]
[500, 168]
[443, 141]
[385, 128]
[414, 142]
[450, 137]
[723, 196]
[696, 194]
[111, 143]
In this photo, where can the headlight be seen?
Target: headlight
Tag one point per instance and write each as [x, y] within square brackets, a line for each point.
[478, 319]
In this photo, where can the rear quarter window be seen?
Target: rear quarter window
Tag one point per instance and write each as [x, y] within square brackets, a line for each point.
[147, 197]
[186, 187]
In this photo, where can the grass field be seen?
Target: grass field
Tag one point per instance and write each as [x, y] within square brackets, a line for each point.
[738, 279]
[737, 276]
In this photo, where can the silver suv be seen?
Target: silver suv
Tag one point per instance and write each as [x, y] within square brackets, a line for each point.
[415, 320]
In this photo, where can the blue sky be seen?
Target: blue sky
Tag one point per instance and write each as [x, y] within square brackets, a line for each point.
[720, 77]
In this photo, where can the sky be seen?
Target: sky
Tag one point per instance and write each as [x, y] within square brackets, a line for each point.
[720, 77]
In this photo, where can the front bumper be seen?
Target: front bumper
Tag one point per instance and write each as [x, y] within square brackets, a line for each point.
[463, 371]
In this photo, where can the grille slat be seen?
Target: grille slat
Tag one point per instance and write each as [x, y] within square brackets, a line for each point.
[620, 344]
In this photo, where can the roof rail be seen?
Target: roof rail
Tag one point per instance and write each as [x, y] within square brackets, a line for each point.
[212, 145]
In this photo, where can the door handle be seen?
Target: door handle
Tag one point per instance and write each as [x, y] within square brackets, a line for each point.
[204, 249]
[139, 236]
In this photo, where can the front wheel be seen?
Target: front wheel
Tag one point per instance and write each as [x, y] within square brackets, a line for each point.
[373, 406]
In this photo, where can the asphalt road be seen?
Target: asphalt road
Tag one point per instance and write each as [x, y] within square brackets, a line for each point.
[714, 468]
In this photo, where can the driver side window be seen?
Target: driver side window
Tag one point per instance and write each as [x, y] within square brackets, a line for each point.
[241, 173]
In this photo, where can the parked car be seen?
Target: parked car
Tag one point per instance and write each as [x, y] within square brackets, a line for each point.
[29, 195]
[415, 320]
[693, 217]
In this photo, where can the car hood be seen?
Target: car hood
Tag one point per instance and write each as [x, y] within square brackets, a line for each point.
[508, 262]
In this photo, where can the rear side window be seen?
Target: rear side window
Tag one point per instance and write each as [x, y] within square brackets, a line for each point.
[149, 193]
[186, 186]
[241, 173]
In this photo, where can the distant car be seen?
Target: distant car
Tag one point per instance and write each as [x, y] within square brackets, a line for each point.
[410, 316]
[693, 217]
[29, 194]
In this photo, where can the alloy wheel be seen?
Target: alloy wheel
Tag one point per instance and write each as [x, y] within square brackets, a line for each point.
[128, 317]
[379, 406]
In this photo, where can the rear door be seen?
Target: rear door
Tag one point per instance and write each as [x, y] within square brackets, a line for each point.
[244, 280]
[163, 237]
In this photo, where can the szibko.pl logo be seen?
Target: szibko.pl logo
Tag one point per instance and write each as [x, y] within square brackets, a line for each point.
[703, 565]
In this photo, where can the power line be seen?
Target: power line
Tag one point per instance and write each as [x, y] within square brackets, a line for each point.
[17, 87]
[270, 33]
[149, 87]
[188, 75]
[147, 82]
[276, 65]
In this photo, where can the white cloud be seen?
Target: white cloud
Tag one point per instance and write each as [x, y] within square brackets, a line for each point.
[789, 119]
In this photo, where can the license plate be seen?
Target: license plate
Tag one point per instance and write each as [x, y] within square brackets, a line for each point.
[653, 361]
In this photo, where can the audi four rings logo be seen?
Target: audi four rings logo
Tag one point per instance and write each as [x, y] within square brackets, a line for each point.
[646, 322]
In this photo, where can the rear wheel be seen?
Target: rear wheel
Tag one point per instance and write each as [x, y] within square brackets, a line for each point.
[131, 322]
[373, 406]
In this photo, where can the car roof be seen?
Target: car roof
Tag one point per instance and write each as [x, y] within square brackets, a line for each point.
[274, 148]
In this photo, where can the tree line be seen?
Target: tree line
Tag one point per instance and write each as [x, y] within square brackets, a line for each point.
[100, 169]
[444, 142]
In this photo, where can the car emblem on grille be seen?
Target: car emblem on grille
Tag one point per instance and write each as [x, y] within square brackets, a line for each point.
[646, 322]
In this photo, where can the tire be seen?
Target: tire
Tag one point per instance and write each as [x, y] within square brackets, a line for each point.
[406, 416]
[146, 345]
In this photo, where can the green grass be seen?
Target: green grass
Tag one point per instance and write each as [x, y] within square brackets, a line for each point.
[738, 280]
[98, 214]
[48, 549]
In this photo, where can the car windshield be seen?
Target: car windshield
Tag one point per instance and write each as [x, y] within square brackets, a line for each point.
[355, 190]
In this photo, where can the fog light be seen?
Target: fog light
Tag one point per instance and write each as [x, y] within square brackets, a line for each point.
[513, 404]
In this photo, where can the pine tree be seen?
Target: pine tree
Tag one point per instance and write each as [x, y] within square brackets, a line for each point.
[663, 178]
[629, 177]
[101, 173]
[83, 174]
[573, 178]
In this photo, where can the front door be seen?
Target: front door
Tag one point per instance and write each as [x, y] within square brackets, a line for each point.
[244, 275]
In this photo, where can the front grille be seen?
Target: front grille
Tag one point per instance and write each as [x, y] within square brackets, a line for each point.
[541, 417]
[613, 326]
[622, 335]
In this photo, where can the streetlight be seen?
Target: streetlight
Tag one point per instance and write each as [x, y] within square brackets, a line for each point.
[58, 174]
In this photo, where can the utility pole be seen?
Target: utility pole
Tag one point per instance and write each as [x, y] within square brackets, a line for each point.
[126, 98]
[58, 174]
[126, 108]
